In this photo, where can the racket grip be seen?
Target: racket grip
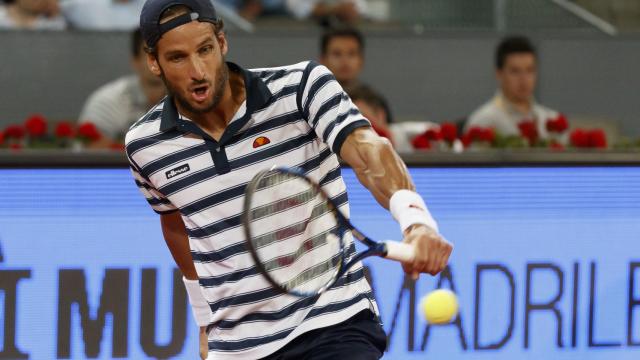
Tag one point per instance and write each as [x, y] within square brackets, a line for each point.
[399, 251]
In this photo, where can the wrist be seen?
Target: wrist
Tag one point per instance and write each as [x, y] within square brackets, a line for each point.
[199, 305]
[409, 210]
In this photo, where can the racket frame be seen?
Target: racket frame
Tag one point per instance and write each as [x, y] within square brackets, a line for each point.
[374, 248]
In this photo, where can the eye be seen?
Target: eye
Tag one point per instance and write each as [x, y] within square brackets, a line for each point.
[206, 49]
[176, 58]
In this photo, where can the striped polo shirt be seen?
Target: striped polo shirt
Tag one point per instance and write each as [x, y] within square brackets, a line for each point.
[294, 116]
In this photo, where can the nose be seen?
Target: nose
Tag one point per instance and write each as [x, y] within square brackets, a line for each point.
[197, 68]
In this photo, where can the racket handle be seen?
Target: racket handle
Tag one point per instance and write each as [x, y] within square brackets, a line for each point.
[399, 251]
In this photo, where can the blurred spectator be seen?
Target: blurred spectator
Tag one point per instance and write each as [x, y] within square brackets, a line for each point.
[31, 15]
[103, 14]
[347, 11]
[342, 51]
[118, 104]
[251, 9]
[372, 107]
[514, 104]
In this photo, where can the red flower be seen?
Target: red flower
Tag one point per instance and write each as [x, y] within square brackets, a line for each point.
[433, 135]
[15, 146]
[579, 138]
[475, 133]
[466, 140]
[559, 124]
[597, 139]
[556, 146]
[36, 126]
[449, 132]
[529, 131]
[64, 130]
[488, 135]
[479, 134]
[89, 131]
[1, 137]
[14, 132]
[421, 142]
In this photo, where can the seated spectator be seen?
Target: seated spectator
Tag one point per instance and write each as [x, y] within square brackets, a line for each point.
[118, 104]
[514, 104]
[31, 15]
[346, 11]
[342, 52]
[103, 14]
[372, 107]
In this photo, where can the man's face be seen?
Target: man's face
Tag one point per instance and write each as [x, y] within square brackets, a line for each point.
[190, 60]
[517, 77]
[344, 58]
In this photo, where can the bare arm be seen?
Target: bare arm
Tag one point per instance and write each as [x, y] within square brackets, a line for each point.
[376, 164]
[175, 235]
[380, 169]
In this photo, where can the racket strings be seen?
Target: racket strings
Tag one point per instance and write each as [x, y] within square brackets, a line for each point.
[314, 273]
[294, 232]
[288, 259]
[286, 232]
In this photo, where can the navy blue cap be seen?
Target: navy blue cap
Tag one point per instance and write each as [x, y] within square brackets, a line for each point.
[152, 30]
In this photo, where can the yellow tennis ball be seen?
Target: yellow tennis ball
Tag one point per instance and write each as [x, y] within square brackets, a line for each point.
[440, 306]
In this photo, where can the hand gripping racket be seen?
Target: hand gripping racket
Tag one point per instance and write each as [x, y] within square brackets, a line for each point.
[296, 234]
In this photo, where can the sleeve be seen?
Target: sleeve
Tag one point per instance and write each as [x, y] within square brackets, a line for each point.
[158, 202]
[326, 107]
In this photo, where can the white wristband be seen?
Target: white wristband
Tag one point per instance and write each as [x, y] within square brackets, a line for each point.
[408, 208]
[199, 305]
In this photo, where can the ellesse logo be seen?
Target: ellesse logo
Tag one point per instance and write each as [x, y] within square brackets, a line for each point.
[177, 171]
[261, 141]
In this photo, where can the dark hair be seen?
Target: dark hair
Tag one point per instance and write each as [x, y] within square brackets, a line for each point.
[373, 98]
[136, 43]
[512, 45]
[366, 94]
[341, 32]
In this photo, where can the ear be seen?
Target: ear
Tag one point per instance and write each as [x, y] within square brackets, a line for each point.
[152, 63]
[222, 41]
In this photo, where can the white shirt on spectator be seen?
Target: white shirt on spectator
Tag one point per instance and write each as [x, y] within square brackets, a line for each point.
[302, 9]
[103, 14]
[504, 117]
[115, 106]
[41, 23]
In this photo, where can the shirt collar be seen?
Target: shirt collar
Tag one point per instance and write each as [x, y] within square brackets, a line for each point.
[257, 95]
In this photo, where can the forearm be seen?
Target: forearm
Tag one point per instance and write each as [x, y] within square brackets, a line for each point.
[175, 235]
[376, 164]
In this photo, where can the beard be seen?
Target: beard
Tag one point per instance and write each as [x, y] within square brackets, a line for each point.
[222, 76]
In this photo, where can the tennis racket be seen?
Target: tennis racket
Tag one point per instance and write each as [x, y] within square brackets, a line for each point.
[296, 234]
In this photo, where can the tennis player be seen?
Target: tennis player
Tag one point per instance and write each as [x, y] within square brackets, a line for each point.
[193, 154]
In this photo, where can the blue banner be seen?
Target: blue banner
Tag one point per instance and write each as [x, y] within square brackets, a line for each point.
[546, 266]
